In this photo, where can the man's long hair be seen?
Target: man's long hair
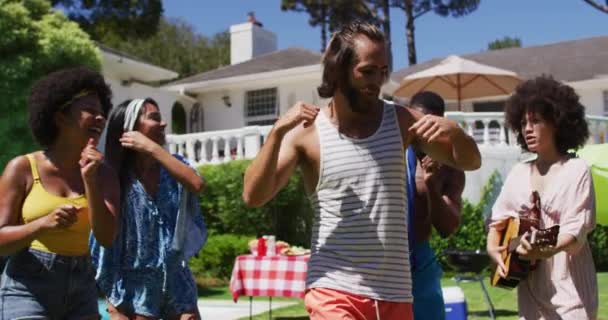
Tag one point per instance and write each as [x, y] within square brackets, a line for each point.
[340, 55]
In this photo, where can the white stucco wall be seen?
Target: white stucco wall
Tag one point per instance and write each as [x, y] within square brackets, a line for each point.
[165, 98]
[217, 116]
[591, 94]
[593, 99]
[220, 117]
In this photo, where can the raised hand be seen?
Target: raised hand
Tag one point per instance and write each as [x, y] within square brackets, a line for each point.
[430, 128]
[90, 159]
[430, 168]
[62, 217]
[137, 141]
[300, 113]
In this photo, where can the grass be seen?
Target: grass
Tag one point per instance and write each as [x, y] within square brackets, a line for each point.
[505, 301]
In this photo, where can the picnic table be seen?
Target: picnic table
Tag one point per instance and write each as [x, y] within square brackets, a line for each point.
[268, 276]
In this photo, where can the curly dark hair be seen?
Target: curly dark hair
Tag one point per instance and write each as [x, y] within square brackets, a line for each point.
[557, 103]
[51, 93]
[340, 55]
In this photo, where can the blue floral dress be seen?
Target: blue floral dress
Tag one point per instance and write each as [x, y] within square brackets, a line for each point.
[145, 270]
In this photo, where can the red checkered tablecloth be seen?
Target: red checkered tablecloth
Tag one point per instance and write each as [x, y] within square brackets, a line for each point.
[274, 276]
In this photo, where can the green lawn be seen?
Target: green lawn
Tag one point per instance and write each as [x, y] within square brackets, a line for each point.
[505, 302]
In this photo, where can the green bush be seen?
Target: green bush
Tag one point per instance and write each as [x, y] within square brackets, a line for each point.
[216, 259]
[471, 234]
[34, 41]
[598, 240]
[288, 215]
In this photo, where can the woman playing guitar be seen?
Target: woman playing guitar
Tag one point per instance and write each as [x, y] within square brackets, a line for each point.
[548, 120]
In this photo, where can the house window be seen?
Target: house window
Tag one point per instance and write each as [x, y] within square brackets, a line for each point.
[605, 103]
[196, 118]
[261, 107]
[268, 122]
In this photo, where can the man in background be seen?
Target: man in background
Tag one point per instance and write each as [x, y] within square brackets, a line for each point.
[435, 190]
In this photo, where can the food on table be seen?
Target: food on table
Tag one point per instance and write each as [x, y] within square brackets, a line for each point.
[295, 251]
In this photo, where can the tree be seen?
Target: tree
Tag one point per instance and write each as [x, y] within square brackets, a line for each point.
[176, 46]
[330, 14]
[414, 9]
[318, 11]
[35, 41]
[126, 19]
[382, 18]
[506, 42]
[602, 7]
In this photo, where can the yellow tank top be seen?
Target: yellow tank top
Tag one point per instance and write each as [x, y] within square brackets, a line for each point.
[71, 241]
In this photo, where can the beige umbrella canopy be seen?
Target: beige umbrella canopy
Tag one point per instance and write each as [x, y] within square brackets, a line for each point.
[455, 78]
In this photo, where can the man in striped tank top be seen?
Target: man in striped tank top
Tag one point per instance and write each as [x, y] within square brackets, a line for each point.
[351, 154]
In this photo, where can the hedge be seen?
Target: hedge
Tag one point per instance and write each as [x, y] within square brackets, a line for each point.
[289, 216]
[216, 258]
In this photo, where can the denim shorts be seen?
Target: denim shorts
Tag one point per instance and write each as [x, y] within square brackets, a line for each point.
[43, 285]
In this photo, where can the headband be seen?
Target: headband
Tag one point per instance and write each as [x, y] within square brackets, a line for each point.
[76, 96]
[131, 114]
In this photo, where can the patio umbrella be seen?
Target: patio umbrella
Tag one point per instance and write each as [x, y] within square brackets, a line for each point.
[455, 78]
[596, 156]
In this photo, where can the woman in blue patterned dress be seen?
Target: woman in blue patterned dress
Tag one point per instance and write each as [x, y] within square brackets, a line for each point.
[145, 275]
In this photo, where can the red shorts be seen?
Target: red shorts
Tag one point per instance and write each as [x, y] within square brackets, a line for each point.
[329, 304]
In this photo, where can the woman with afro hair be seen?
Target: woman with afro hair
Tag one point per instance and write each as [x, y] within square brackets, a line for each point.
[549, 121]
[53, 198]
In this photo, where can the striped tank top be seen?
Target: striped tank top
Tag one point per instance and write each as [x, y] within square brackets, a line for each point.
[359, 238]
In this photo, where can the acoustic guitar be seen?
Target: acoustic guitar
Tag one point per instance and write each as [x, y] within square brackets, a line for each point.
[518, 268]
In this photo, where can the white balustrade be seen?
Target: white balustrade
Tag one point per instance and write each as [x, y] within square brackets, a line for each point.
[239, 147]
[487, 128]
[502, 132]
[214, 147]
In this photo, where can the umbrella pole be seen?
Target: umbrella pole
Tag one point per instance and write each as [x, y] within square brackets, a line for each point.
[458, 91]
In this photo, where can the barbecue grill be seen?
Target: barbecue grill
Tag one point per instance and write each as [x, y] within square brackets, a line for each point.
[469, 265]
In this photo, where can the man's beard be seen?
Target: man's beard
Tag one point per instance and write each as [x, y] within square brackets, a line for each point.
[358, 102]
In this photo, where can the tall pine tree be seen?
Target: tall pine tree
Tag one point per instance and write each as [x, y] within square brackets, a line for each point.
[415, 9]
[330, 14]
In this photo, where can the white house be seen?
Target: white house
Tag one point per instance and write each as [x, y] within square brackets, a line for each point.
[259, 85]
[239, 102]
[262, 82]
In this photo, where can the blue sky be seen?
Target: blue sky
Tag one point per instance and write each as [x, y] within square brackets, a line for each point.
[535, 22]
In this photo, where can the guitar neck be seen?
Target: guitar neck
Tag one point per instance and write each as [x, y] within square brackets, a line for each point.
[514, 243]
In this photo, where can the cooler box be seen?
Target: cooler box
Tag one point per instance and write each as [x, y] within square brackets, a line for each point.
[455, 304]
